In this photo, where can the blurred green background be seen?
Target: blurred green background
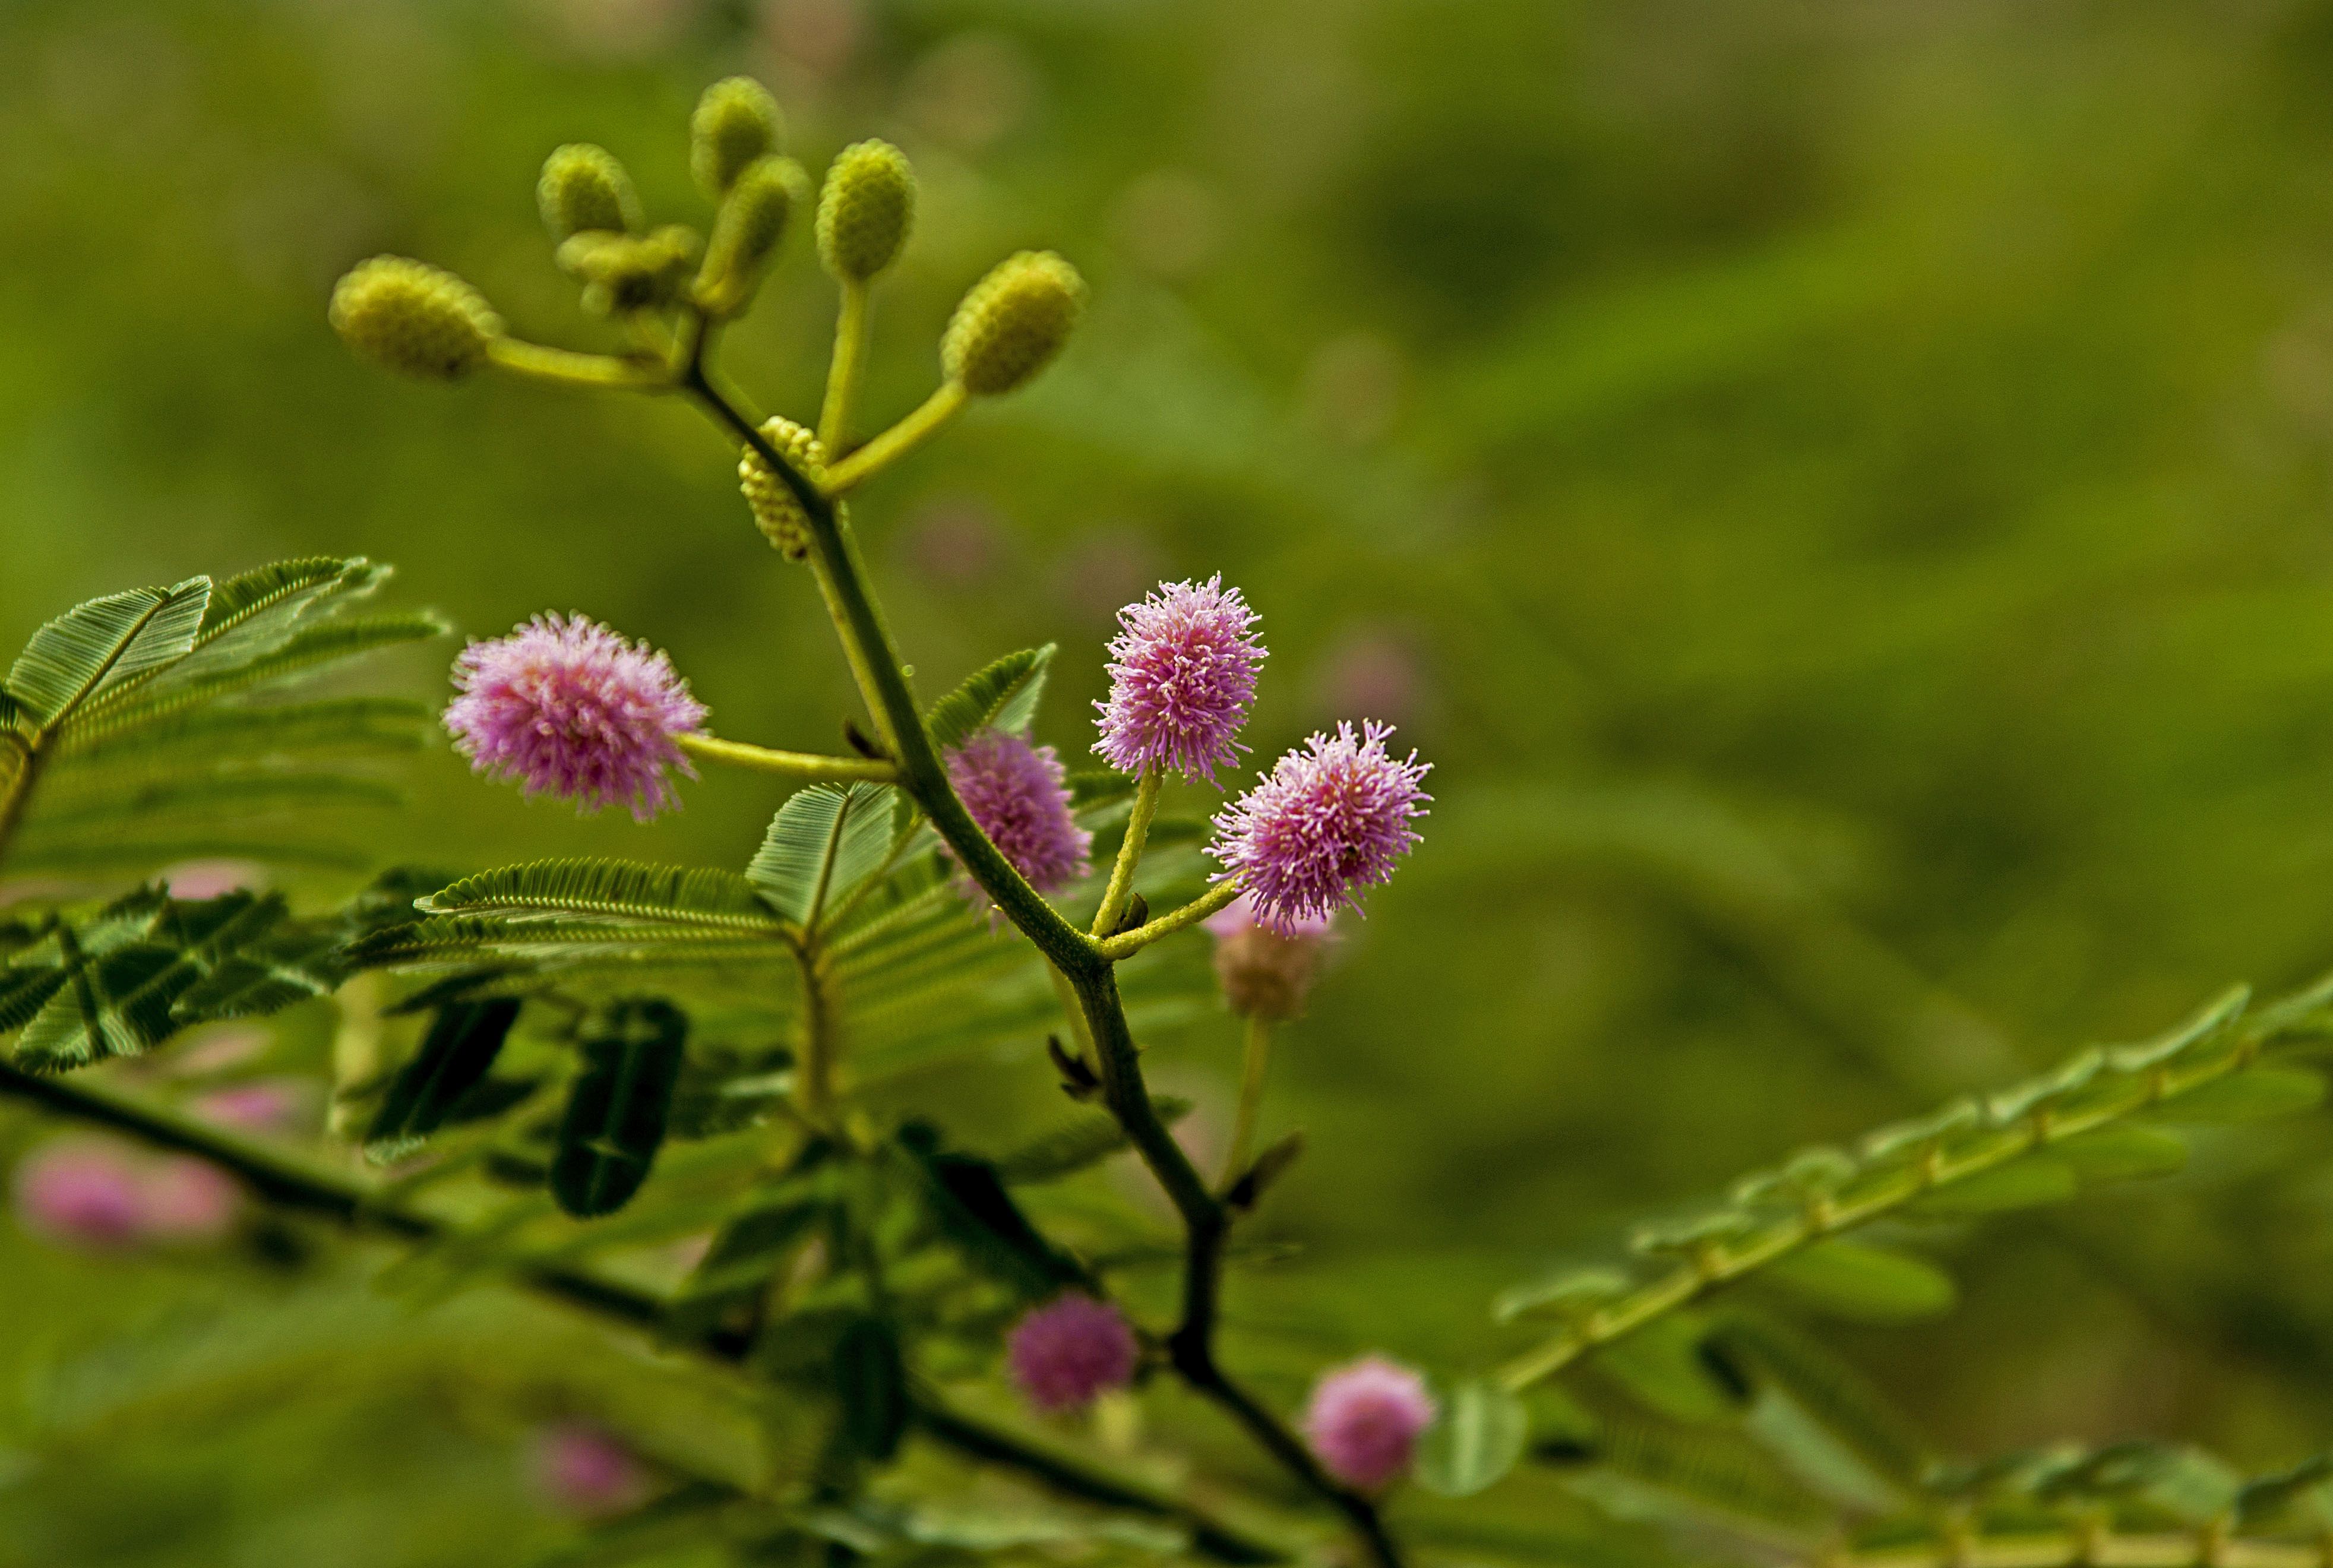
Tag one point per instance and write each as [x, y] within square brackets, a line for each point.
[1840, 493]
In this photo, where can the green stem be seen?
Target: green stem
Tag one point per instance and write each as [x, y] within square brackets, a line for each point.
[1079, 1035]
[897, 442]
[16, 794]
[2067, 1548]
[792, 765]
[845, 371]
[1126, 944]
[294, 1185]
[566, 367]
[1130, 855]
[1253, 1063]
[814, 1069]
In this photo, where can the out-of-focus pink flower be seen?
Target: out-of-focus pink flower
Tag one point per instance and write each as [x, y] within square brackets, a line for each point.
[1266, 973]
[193, 879]
[85, 1192]
[262, 1105]
[580, 1470]
[1018, 795]
[1365, 1421]
[1182, 679]
[185, 1202]
[567, 707]
[1329, 820]
[1073, 1348]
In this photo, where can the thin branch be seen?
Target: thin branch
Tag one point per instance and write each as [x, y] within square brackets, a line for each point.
[807, 766]
[897, 442]
[1130, 855]
[1126, 944]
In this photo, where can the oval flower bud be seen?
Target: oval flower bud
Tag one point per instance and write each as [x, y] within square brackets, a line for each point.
[621, 273]
[1013, 321]
[776, 510]
[736, 121]
[752, 220]
[584, 189]
[414, 318]
[865, 210]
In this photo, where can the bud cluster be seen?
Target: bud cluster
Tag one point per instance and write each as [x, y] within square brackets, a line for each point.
[776, 510]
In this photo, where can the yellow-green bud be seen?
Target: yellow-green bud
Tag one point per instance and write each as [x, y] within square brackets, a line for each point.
[735, 122]
[620, 273]
[583, 188]
[776, 512]
[1013, 321]
[746, 231]
[414, 318]
[865, 210]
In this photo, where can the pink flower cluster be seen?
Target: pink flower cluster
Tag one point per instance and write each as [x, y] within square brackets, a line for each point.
[100, 1196]
[1018, 795]
[1328, 821]
[1066, 1352]
[1365, 1421]
[567, 707]
[1182, 679]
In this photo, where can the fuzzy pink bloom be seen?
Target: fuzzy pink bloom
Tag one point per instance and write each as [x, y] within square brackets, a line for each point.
[567, 707]
[184, 1202]
[1017, 793]
[1070, 1350]
[582, 1471]
[1365, 1421]
[1328, 822]
[259, 1106]
[1182, 679]
[85, 1192]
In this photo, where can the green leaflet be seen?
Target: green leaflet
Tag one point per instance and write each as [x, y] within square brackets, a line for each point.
[104, 644]
[309, 651]
[621, 889]
[2026, 1183]
[2123, 1153]
[2252, 1094]
[455, 1058]
[824, 842]
[1476, 1440]
[1004, 696]
[870, 1376]
[616, 1110]
[1869, 1283]
[969, 1204]
[330, 725]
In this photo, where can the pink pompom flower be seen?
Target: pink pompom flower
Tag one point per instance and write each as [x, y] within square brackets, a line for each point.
[1182, 679]
[1073, 1348]
[1326, 821]
[83, 1192]
[1019, 795]
[187, 1203]
[581, 1471]
[1365, 1421]
[567, 707]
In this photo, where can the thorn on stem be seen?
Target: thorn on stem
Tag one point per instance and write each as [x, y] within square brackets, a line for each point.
[860, 742]
[1077, 1079]
[1244, 1193]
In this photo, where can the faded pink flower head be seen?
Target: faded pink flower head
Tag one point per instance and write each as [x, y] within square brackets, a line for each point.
[262, 1105]
[1265, 973]
[1017, 793]
[567, 707]
[1326, 821]
[185, 1202]
[82, 1191]
[582, 1471]
[1064, 1354]
[1365, 1421]
[1182, 679]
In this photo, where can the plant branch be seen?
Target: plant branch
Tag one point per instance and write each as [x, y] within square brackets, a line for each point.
[567, 368]
[1126, 944]
[1130, 855]
[806, 766]
[844, 371]
[295, 1185]
[897, 442]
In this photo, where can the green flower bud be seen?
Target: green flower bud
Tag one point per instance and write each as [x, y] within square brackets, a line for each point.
[1013, 321]
[583, 188]
[414, 318]
[865, 210]
[776, 510]
[746, 231]
[620, 273]
[735, 122]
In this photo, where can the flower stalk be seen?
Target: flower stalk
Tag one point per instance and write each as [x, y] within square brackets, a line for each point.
[1130, 855]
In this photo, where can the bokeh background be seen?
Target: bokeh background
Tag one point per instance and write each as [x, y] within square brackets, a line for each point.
[1843, 494]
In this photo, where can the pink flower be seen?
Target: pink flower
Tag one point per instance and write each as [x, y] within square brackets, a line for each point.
[1016, 792]
[1182, 679]
[582, 1471]
[568, 707]
[1064, 1354]
[1365, 1421]
[185, 1202]
[81, 1191]
[1328, 822]
[259, 1106]
[1265, 973]
[197, 879]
